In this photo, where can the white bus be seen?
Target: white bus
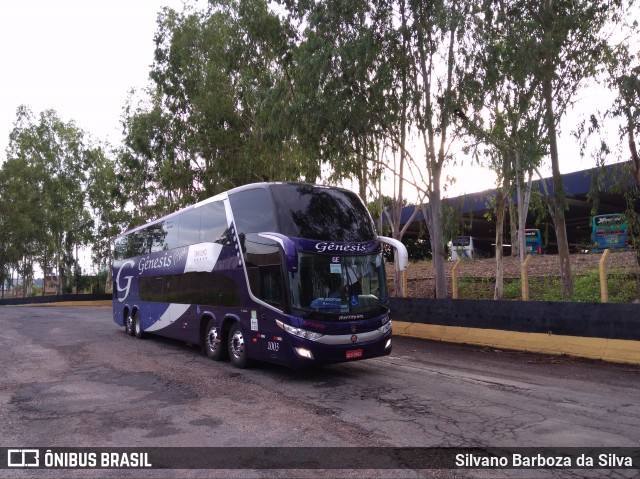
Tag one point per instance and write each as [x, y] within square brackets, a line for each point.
[469, 247]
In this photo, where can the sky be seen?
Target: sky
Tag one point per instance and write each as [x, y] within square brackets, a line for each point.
[82, 57]
[77, 57]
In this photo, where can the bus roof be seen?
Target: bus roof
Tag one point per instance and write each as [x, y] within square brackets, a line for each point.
[223, 196]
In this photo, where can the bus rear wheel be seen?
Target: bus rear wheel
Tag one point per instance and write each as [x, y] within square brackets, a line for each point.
[237, 347]
[128, 324]
[137, 327]
[213, 341]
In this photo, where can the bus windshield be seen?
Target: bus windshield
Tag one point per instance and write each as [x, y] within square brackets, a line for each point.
[461, 241]
[339, 284]
[608, 223]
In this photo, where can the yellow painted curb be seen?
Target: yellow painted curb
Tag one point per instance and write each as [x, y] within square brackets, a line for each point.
[613, 350]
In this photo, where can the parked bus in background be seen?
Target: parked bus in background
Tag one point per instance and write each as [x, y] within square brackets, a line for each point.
[609, 232]
[470, 247]
[287, 273]
[533, 241]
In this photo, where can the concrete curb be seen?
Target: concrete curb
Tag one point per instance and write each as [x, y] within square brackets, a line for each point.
[613, 350]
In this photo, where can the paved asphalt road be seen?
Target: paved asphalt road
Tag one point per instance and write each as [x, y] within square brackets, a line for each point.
[72, 377]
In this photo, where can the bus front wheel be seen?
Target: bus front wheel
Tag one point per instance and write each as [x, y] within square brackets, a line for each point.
[237, 347]
[213, 341]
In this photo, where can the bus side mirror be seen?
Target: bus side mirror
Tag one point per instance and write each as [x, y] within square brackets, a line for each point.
[402, 255]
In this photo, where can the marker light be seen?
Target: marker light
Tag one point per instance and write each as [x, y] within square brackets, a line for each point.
[388, 345]
[299, 332]
[304, 353]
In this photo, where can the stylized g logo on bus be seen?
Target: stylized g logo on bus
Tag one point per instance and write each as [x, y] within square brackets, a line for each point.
[127, 278]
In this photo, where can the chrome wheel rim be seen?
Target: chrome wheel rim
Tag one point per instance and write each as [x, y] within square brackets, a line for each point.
[129, 324]
[237, 344]
[212, 339]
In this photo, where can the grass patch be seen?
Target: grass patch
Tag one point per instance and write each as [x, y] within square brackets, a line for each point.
[622, 288]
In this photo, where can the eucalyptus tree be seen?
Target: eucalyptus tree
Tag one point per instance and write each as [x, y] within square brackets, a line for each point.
[623, 78]
[439, 36]
[143, 158]
[344, 83]
[53, 151]
[8, 254]
[107, 203]
[20, 217]
[572, 44]
[386, 70]
[506, 116]
[215, 112]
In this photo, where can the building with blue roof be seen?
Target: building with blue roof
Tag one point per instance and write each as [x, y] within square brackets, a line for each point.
[599, 190]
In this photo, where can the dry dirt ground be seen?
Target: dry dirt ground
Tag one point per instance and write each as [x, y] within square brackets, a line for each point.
[420, 275]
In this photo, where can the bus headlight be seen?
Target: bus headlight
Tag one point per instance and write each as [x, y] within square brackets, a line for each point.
[299, 332]
[385, 327]
[388, 345]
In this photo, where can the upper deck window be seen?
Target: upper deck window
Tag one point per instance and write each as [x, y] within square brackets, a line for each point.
[326, 214]
[253, 211]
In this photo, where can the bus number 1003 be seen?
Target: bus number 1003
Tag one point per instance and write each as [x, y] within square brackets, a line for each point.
[273, 346]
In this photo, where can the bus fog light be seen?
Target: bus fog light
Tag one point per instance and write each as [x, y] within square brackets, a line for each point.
[388, 345]
[304, 353]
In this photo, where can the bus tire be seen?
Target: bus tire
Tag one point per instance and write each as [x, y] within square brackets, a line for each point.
[237, 346]
[137, 326]
[128, 324]
[213, 344]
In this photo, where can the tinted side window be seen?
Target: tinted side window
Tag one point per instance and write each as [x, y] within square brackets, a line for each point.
[136, 244]
[156, 236]
[190, 288]
[171, 230]
[264, 270]
[120, 249]
[253, 211]
[214, 221]
[189, 227]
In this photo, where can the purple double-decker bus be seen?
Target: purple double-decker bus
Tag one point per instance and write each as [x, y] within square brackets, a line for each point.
[282, 272]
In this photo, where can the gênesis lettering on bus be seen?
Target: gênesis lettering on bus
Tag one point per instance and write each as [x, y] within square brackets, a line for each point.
[283, 272]
[345, 248]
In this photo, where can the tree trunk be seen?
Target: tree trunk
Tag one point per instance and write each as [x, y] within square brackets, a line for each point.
[437, 246]
[558, 189]
[498, 292]
[513, 221]
[635, 159]
[522, 215]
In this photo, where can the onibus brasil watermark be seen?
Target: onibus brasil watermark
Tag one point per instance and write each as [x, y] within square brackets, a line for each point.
[33, 458]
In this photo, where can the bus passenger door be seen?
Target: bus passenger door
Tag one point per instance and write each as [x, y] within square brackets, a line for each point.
[270, 334]
[263, 262]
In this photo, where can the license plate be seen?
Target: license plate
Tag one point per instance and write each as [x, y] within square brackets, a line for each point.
[354, 353]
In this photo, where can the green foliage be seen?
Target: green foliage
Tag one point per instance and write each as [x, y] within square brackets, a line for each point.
[218, 113]
[622, 288]
[419, 249]
[453, 223]
[43, 194]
